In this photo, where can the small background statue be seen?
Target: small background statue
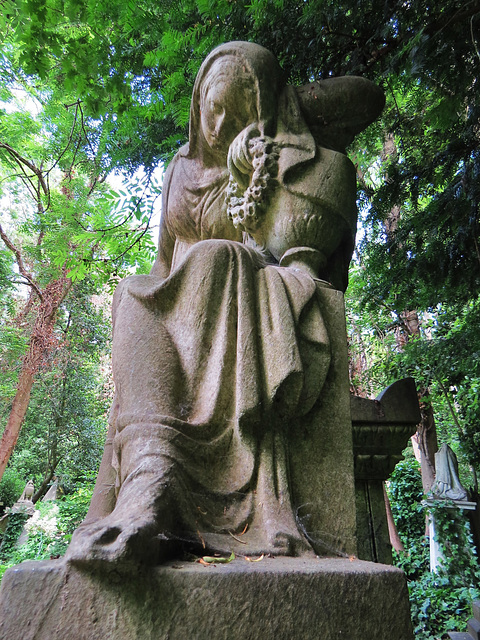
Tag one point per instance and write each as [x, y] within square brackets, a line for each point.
[24, 503]
[447, 484]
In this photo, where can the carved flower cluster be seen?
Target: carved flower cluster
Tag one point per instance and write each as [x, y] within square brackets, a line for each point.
[246, 209]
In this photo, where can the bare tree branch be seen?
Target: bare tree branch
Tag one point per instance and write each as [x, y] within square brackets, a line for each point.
[23, 161]
[20, 263]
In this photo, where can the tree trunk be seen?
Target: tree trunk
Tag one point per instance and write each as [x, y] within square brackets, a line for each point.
[17, 414]
[42, 341]
[42, 490]
[426, 438]
[395, 540]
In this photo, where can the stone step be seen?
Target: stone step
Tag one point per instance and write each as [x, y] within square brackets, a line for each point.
[272, 599]
[476, 609]
[473, 628]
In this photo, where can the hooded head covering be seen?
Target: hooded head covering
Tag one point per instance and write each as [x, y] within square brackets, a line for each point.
[257, 67]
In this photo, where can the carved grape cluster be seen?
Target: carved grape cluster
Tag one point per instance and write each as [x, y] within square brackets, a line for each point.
[246, 209]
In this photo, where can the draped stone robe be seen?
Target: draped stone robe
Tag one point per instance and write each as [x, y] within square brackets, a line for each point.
[215, 359]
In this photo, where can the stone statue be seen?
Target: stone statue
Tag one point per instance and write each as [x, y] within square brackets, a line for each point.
[447, 484]
[24, 503]
[223, 345]
[28, 492]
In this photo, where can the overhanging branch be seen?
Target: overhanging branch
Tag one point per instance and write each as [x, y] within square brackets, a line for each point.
[19, 260]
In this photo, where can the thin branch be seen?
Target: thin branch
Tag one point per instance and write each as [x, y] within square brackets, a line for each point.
[25, 178]
[19, 260]
[82, 122]
[473, 38]
[23, 161]
[449, 402]
[69, 141]
[468, 10]
[73, 104]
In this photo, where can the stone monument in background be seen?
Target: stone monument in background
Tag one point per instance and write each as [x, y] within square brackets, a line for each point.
[448, 493]
[231, 431]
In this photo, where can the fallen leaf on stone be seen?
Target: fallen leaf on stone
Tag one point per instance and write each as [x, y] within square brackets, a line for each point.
[214, 560]
[254, 559]
[202, 561]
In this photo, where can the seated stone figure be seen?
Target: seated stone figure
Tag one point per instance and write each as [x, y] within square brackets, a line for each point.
[223, 344]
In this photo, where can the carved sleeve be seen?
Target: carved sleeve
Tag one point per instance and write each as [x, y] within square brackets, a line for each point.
[338, 109]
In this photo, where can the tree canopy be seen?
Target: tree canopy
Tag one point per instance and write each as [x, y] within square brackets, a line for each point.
[115, 79]
[132, 65]
[106, 87]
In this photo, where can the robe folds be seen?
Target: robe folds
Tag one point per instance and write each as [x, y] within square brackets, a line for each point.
[213, 362]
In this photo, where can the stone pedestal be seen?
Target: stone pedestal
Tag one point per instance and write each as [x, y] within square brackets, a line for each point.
[274, 599]
[320, 447]
[436, 552]
[381, 430]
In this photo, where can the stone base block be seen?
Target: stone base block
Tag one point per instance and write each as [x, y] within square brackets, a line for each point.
[276, 598]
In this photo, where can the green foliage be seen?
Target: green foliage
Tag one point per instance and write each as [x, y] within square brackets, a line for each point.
[371, 340]
[441, 601]
[11, 487]
[112, 85]
[66, 423]
[132, 68]
[54, 161]
[49, 529]
[15, 525]
[406, 494]
[74, 506]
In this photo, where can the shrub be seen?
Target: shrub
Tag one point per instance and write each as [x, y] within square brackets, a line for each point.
[440, 601]
[406, 494]
[49, 529]
[11, 487]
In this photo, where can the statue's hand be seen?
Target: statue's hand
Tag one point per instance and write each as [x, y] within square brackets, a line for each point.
[240, 161]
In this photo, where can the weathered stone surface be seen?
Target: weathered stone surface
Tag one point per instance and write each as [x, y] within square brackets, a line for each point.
[447, 485]
[24, 504]
[231, 406]
[321, 461]
[274, 599]
[381, 429]
[231, 424]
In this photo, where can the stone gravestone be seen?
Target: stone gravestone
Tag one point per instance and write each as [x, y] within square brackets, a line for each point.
[231, 432]
[447, 492]
[23, 505]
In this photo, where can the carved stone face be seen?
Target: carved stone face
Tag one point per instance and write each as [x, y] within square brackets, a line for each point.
[226, 108]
